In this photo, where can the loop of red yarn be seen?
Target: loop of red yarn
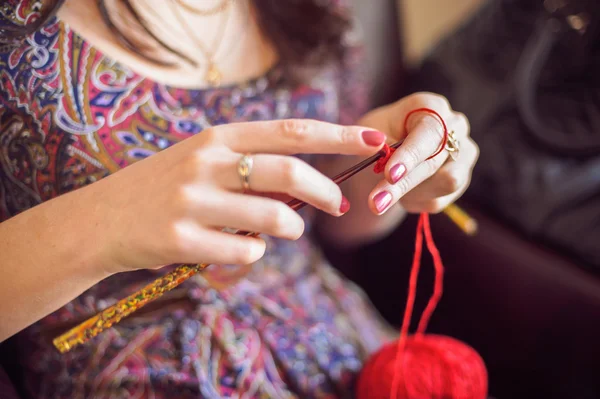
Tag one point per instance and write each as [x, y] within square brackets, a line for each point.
[423, 366]
[438, 116]
[387, 151]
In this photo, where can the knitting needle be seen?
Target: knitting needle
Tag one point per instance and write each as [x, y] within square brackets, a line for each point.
[296, 204]
[125, 307]
[110, 316]
[457, 215]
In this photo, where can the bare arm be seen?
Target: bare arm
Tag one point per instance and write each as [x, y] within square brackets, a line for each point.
[55, 251]
[50, 254]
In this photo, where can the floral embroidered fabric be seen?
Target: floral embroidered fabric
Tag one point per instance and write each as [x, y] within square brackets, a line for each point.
[287, 326]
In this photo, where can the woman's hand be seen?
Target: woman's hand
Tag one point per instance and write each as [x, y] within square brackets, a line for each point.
[417, 183]
[171, 207]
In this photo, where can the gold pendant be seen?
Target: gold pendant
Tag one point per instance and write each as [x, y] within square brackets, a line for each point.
[213, 75]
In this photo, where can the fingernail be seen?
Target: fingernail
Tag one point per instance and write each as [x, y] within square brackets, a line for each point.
[397, 172]
[345, 206]
[373, 138]
[382, 201]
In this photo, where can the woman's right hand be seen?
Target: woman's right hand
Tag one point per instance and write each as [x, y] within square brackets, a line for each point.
[171, 207]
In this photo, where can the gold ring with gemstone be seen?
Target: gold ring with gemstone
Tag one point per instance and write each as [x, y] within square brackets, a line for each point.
[244, 169]
[452, 146]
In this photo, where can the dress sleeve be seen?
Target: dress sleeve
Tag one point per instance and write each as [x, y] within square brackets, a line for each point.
[21, 18]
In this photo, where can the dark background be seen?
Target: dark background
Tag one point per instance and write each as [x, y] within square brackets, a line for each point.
[532, 313]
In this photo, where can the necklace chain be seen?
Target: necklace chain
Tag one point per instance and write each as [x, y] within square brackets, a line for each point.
[205, 13]
[213, 74]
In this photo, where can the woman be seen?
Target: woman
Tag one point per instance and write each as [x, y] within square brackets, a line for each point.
[123, 125]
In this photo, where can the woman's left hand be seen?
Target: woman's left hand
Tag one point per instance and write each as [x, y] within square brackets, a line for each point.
[417, 183]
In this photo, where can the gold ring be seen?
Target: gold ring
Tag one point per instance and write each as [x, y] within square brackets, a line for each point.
[244, 169]
[452, 146]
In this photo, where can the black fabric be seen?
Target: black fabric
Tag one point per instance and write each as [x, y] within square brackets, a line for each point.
[527, 74]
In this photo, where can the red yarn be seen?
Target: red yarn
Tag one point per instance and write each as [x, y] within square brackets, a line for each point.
[423, 366]
[430, 111]
[437, 367]
[387, 151]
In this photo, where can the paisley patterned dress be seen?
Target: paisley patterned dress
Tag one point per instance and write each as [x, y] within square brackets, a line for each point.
[287, 326]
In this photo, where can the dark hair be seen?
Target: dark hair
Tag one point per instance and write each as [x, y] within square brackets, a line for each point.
[304, 32]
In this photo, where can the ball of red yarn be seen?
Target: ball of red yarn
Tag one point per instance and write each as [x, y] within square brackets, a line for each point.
[423, 366]
[433, 367]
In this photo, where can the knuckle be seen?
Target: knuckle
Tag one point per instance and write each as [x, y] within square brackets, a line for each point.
[333, 197]
[176, 243]
[196, 166]
[291, 170]
[245, 253]
[200, 160]
[297, 232]
[476, 150]
[403, 186]
[433, 165]
[294, 129]
[411, 155]
[440, 102]
[433, 100]
[207, 163]
[450, 182]
[434, 127]
[276, 219]
[209, 136]
[184, 198]
[343, 134]
[463, 121]
[434, 206]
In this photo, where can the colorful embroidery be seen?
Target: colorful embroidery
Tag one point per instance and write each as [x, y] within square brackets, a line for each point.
[70, 116]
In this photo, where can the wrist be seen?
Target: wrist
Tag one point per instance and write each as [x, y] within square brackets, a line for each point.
[78, 221]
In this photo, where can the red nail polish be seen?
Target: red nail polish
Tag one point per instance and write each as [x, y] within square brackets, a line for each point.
[345, 206]
[373, 138]
[397, 172]
[382, 201]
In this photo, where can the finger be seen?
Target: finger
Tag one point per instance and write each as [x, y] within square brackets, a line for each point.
[451, 177]
[200, 245]
[287, 175]
[425, 136]
[248, 213]
[384, 195]
[299, 136]
[432, 206]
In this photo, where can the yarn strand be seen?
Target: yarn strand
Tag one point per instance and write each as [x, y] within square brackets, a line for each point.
[445, 132]
[410, 302]
[438, 287]
[423, 228]
[440, 367]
